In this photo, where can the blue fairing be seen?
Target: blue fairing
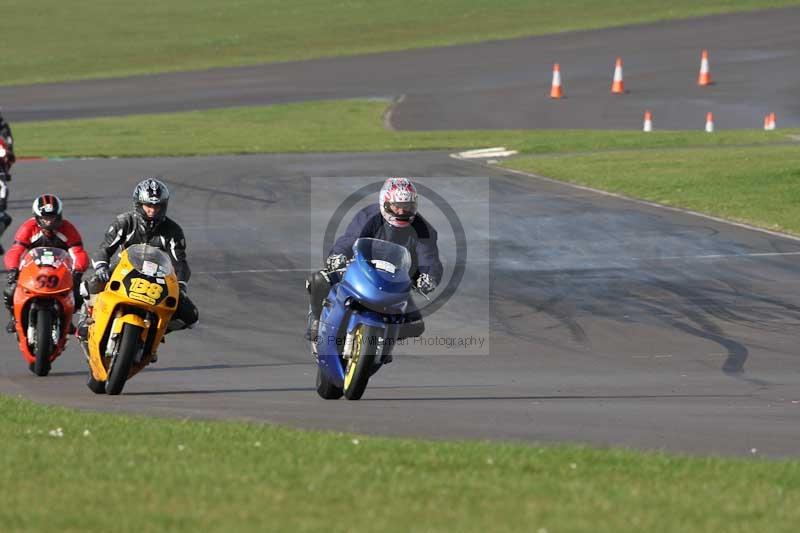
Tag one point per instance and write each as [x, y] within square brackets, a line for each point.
[374, 291]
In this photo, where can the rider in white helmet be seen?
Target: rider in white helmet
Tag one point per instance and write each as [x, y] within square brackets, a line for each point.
[394, 218]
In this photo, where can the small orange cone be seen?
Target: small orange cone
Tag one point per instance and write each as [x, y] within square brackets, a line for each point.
[705, 75]
[709, 122]
[648, 121]
[555, 90]
[769, 122]
[618, 85]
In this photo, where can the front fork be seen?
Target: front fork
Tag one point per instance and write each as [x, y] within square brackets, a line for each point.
[114, 337]
[55, 325]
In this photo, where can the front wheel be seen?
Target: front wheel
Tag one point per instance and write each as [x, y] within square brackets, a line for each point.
[43, 345]
[123, 361]
[97, 387]
[359, 366]
[325, 388]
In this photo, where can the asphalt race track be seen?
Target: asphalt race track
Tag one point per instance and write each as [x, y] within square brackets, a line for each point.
[610, 322]
[754, 57]
[603, 320]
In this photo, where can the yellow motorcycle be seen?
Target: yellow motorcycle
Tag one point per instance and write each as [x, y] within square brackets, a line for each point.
[130, 317]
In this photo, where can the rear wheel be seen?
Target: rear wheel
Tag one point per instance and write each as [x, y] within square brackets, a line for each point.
[43, 346]
[325, 388]
[359, 366]
[121, 364]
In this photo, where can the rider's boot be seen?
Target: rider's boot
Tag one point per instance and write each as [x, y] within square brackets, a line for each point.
[312, 329]
[85, 314]
[11, 327]
[82, 330]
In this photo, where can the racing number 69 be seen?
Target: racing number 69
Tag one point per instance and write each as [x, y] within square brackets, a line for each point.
[142, 286]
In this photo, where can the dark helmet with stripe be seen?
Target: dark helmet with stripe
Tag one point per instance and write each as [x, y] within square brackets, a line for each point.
[152, 192]
[47, 210]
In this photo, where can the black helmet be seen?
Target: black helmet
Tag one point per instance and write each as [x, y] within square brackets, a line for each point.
[47, 210]
[151, 191]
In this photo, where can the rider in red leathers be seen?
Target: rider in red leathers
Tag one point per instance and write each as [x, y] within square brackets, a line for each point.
[46, 227]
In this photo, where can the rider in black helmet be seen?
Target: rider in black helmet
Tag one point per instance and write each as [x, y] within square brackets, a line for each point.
[148, 223]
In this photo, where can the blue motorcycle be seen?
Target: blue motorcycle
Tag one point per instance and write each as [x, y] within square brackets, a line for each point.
[362, 318]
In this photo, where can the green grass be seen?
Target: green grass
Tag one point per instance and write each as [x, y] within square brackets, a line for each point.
[338, 126]
[49, 40]
[758, 185]
[123, 473]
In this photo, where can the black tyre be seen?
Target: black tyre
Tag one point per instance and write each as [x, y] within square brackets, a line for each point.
[121, 364]
[97, 387]
[326, 389]
[43, 347]
[359, 367]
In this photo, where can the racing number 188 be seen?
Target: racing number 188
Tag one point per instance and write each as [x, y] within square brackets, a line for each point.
[142, 286]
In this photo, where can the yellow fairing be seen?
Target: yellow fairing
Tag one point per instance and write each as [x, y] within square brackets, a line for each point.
[126, 291]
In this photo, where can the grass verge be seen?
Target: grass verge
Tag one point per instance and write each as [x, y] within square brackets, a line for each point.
[756, 185]
[327, 126]
[102, 472]
[746, 175]
[50, 40]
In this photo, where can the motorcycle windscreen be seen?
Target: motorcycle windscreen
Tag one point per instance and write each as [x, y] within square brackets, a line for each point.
[45, 270]
[150, 261]
[46, 256]
[379, 273]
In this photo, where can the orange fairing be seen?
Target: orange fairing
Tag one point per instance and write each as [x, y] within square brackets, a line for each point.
[45, 271]
[45, 275]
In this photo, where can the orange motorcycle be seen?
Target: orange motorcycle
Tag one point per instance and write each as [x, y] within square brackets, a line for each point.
[43, 306]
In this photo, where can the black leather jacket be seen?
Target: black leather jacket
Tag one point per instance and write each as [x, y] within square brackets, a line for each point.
[129, 229]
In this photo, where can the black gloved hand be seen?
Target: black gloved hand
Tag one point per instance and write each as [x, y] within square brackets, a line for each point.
[336, 261]
[102, 272]
[8, 293]
[425, 283]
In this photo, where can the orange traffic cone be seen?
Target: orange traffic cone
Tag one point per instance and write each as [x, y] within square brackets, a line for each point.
[769, 122]
[555, 90]
[705, 76]
[710, 122]
[618, 86]
[648, 121]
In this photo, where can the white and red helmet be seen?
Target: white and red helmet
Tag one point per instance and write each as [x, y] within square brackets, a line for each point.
[398, 201]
